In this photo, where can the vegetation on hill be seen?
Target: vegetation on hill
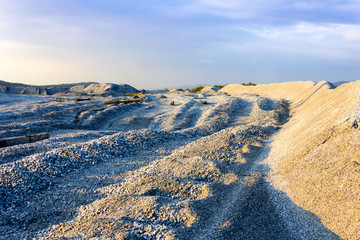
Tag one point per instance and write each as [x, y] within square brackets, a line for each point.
[220, 86]
[197, 89]
[249, 84]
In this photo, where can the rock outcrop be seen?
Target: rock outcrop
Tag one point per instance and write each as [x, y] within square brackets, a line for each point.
[87, 88]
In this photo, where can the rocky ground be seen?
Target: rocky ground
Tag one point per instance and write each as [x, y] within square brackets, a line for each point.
[193, 169]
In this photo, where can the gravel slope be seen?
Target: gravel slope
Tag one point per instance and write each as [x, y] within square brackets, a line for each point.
[314, 158]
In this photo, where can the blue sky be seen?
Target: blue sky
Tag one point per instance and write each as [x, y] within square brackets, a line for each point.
[158, 44]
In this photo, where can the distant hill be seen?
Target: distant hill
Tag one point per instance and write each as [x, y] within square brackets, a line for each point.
[83, 88]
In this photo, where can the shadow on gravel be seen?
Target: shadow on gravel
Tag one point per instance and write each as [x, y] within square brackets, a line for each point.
[60, 201]
[312, 95]
[266, 213]
[254, 209]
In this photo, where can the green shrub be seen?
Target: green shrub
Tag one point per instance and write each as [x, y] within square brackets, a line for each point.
[197, 89]
[249, 84]
[219, 86]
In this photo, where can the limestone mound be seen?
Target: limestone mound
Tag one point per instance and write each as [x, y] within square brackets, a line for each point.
[104, 89]
[315, 157]
[176, 90]
[296, 92]
[210, 90]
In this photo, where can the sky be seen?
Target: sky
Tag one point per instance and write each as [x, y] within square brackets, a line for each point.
[153, 44]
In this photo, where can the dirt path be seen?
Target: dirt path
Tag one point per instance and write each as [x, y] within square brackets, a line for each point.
[253, 209]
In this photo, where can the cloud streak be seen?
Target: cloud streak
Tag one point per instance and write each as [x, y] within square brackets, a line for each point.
[325, 40]
[279, 12]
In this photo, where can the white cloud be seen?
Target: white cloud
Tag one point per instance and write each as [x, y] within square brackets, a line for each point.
[350, 5]
[221, 4]
[310, 32]
[321, 41]
[233, 9]
[303, 5]
[279, 12]
[6, 45]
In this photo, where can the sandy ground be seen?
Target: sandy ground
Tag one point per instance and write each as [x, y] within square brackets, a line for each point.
[239, 167]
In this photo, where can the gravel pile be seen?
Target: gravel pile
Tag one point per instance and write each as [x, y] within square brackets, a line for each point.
[34, 172]
[193, 173]
[314, 157]
[160, 201]
[36, 117]
[17, 152]
[183, 116]
[157, 201]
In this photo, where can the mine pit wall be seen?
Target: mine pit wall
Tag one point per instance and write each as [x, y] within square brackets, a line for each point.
[315, 158]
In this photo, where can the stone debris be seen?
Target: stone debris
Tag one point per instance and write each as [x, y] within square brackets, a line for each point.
[148, 170]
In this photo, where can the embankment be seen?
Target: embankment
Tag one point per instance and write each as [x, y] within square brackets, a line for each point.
[315, 158]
